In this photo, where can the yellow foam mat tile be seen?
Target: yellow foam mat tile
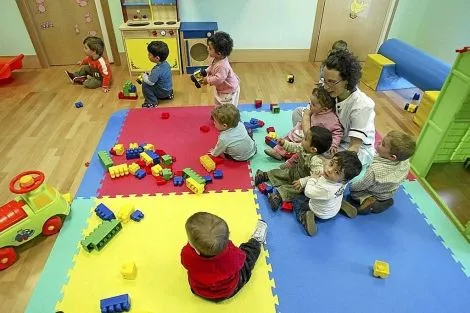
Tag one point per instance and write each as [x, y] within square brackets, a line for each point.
[154, 244]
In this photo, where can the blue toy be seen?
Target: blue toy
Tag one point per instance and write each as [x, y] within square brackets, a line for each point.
[104, 212]
[140, 173]
[121, 303]
[208, 179]
[137, 215]
[218, 174]
[178, 181]
[79, 104]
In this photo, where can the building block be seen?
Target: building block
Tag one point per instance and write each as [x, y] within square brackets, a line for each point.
[257, 122]
[262, 188]
[149, 147]
[178, 173]
[154, 156]
[160, 181]
[208, 179]
[132, 96]
[129, 270]
[205, 128]
[133, 153]
[105, 159]
[101, 235]
[194, 186]
[118, 149]
[275, 108]
[104, 212]
[258, 103]
[269, 189]
[381, 269]
[167, 174]
[137, 215]
[167, 159]
[287, 206]
[121, 303]
[118, 170]
[140, 173]
[134, 145]
[290, 78]
[79, 104]
[124, 214]
[218, 174]
[146, 158]
[270, 129]
[188, 172]
[270, 142]
[157, 170]
[133, 167]
[165, 115]
[178, 181]
[272, 135]
[218, 160]
[207, 162]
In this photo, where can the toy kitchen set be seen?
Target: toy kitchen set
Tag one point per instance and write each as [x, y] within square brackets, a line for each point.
[149, 20]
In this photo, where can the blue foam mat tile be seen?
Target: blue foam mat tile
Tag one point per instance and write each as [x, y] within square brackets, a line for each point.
[48, 289]
[332, 271]
[250, 107]
[94, 175]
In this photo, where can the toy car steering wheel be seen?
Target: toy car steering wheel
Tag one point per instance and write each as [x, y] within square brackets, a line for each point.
[38, 180]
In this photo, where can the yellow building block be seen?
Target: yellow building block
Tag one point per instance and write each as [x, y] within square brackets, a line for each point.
[150, 147]
[425, 107]
[194, 186]
[119, 149]
[129, 270]
[119, 170]
[207, 162]
[272, 135]
[133, 145]
[372, 69]
[381, 269]
[124, 214]
[146, 158]
[134, 167]
[67, 197]
[157, 170]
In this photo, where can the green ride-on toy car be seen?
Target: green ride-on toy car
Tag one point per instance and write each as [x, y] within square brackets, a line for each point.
[39, 209]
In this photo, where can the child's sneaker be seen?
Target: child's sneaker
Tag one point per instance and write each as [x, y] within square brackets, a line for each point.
[70, 76]
[275, 200]
[308, 222]
[148, 105]
[260, 177]
[79, 80]
[273, 154]
[367, 204]
[348, 209]
[260, 231]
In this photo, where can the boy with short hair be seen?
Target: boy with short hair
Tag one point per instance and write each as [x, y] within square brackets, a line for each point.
[157, 85]
[96, 71]
[324, 193]
[373, 193]
[217, 269]
[234, 141]
[317, 140]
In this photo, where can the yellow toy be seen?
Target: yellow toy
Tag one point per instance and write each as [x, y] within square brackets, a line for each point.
[146, 158]
[194, 186]
[157, 170]
[129, 270]
[119, 149]
[381, 269]
[150, 147]
[207, 162]
[125, 213]
[133, 145]
[272, 135]
[118, 170]
[133, 168]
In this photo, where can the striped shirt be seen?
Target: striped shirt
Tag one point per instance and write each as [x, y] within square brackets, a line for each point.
[381, 179]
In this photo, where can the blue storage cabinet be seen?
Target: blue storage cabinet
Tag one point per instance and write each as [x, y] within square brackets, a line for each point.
[194, 44]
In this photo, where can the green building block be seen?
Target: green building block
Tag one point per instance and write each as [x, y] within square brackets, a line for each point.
[105, 159]
[166, 173]
[101, 235]
[188, 172]
[167, 159]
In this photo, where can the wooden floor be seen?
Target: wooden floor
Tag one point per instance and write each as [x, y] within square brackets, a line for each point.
[41, 129]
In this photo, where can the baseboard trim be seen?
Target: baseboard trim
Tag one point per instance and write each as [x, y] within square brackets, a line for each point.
[269, 55]
[31, 61]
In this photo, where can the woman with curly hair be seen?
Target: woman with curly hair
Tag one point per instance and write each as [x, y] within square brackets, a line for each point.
[355, 110]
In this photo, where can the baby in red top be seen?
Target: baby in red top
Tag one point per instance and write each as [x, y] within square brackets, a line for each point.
[217, 269]
[96, 71]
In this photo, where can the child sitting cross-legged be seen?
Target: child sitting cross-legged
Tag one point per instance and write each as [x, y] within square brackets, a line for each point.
[373, 193]
[217, 269]
[324, 193]
[234, 141]
[317, 140]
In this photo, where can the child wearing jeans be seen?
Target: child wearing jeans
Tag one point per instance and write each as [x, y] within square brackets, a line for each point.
[157, 85]
[219, 72]
[373, 193]
[234, 141]
[96, 71]
[217, 269]
[321, 113]
[324, 193]
[317, 141]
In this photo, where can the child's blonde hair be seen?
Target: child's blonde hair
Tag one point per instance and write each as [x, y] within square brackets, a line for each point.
[207, 233]
[95, 44]
[401, 145]
[227, 114]
[324, 98]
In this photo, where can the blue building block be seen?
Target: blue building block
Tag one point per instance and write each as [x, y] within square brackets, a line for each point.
[269, 189]
[137, 215]
[132, 88]
[178, 181]
[79, 104]
[132, 154]
[218, 174]
[121, 303]
[140, 173]
[155, 157]
[208, 179]
[270, 142]
[104, 212]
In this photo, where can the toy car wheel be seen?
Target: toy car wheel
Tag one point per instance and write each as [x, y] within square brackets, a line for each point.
[52, 226]
[7, 257]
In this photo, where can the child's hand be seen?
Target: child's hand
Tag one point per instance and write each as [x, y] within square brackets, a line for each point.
[210, 151]
[280, 141]
[297, 185]
[79, 62]
[204, 81]
[333, 151]
[105, 89]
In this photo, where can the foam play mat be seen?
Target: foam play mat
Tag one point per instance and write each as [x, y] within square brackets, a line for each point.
[330, 272]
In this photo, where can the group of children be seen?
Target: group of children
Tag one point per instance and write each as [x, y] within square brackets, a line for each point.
[313, 177]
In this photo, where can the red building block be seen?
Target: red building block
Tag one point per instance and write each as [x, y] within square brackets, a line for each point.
[270, 129]
[262, 188]
[217, 160]
[122, 96]
[160, 181]
[258, 103]
[287, 206]
[165, 115]
[205, 128]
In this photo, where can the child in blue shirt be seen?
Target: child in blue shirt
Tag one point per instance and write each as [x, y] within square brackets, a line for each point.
[157, 85]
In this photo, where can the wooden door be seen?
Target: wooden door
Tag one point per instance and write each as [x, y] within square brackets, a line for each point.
[358, 22]
[62, 26]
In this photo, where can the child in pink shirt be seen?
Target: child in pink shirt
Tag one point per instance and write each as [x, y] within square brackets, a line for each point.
[220, 73]
[321, 114]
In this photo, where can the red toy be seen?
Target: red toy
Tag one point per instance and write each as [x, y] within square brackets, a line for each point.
[204, 128]
[217, 160]
[165, 115]
[258, 103]
[270, 130]
[287, 206]
[122, 96]
[7, 65]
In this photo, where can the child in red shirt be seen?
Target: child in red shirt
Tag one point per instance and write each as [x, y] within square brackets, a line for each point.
[96, 71]
[217, 269]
